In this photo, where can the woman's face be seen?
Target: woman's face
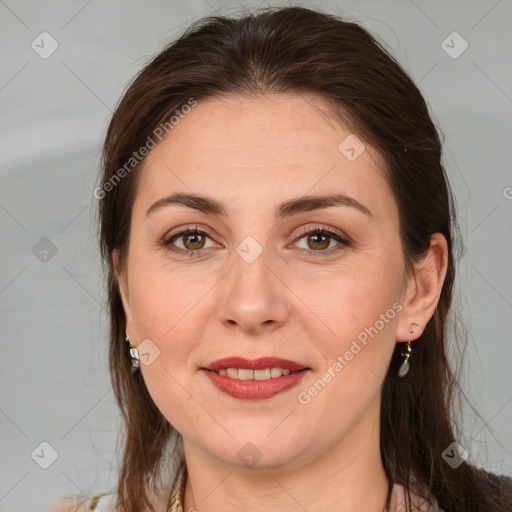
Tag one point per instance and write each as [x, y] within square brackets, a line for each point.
[259, 286]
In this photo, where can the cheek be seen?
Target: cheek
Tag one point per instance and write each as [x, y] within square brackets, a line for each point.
[167, 309]
[163, 299]
[355, 310]
[354, 297]
[355, 339]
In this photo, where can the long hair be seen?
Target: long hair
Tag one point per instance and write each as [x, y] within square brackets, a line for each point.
[298, 50]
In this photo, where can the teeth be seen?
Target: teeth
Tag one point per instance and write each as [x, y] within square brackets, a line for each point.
[232, 372]
[246, 374]
[262, 374]
[277, 372]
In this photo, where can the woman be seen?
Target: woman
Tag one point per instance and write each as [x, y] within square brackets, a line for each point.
[277, 229]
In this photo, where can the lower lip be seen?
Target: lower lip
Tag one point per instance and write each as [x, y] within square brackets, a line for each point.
[254, 389]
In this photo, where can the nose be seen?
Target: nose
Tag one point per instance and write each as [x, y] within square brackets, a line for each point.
[253, 296]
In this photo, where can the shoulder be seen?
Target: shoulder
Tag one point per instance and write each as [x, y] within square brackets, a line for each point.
[98, 503]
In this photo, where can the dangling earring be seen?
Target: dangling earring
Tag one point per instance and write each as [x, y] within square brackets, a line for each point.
[134, 355]
[404, 367]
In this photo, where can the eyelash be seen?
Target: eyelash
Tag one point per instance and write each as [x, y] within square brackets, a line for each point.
[167, 243]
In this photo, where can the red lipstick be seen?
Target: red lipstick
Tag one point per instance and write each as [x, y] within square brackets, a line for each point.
[255, 364]
[254, 389]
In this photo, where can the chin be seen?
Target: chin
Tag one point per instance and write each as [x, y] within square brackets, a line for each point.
[257, 448]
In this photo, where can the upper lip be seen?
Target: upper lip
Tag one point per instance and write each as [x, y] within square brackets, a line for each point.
[255, 364]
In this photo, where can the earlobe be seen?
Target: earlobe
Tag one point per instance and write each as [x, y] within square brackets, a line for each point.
[423, 290]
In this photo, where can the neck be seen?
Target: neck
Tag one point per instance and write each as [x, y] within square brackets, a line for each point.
[347, 477]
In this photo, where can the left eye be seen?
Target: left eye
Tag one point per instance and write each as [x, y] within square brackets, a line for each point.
[194, 240]
[321, 238]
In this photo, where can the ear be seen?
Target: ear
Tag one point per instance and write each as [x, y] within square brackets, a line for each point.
[423, 289]
[122, 283]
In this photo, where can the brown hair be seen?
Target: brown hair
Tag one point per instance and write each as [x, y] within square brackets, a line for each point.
[297, 50]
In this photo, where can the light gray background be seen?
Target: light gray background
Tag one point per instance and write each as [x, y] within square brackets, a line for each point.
[54, 383]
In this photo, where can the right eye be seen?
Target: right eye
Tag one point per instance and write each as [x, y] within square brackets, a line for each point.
[193, 241]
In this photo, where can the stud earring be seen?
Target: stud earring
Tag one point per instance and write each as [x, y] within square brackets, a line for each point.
[134, 354]
[404, 367]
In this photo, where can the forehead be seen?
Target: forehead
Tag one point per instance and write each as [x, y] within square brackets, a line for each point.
[242, 149]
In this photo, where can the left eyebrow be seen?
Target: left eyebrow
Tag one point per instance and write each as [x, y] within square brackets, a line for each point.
[285, 209]
[309, 203]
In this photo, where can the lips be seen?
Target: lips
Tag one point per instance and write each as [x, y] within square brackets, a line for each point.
[254, 389]
[255, 364]
[261, 387]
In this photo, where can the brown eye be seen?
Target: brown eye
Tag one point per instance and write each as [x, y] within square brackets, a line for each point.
[318, 240]
[196, 241]
[192, 241]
